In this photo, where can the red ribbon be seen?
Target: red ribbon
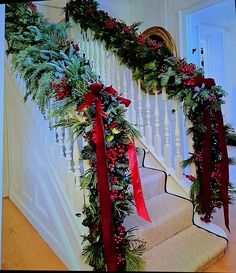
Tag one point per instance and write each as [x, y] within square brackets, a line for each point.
[198, 81]
[104, 192]
[224, 168]
[102, 173]
[138, 193]
[95, 89]
[206, 164]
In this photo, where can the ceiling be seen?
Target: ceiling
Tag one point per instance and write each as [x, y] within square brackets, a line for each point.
[222, 14]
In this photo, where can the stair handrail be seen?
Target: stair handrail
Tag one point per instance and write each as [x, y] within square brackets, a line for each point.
[184, 82]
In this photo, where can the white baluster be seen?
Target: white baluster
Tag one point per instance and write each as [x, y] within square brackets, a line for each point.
[95, 58]
[108, 64]
[117, 76]
[100, 60]
[191, 150]
[157, 137]
[148, 128]
[140, 116]
[78, 34]
[86, 52]
[132, 112]
[167, 151]
[124, 88]
[73, 31]
[55, 135]
[111, 67]
[124, 82]
[68, 150]
[178, 152]
[89, 46]
[48, 115]
[60, 138]
[86, 166]
[105, 53]
[82, 42]
[76, 160]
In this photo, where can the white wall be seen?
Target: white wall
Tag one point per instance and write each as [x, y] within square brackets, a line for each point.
[38, 176]
[230, 79]
[52, 9]
[2, 28]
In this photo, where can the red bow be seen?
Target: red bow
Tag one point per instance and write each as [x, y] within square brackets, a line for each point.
[95, 90]
[198, 81]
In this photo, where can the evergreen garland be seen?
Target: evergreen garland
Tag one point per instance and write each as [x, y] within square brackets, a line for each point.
[156, 66]
[53, 69]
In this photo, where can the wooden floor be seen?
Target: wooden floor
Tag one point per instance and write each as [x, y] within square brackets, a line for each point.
[24, 249]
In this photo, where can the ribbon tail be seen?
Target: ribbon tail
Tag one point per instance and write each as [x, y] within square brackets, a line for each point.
[138, 193]
[126, 102]
[206, 164]
[104, 193]
[224, 167]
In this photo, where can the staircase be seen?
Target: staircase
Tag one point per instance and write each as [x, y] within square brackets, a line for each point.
[49, 192]
[173, 242]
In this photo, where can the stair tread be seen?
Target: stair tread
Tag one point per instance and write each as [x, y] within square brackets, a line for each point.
[165, 211]
[191, 250]
[153, 182]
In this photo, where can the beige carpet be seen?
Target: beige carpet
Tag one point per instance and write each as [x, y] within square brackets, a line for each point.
[174, 243]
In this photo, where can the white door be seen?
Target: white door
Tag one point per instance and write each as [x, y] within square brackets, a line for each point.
[211, 40]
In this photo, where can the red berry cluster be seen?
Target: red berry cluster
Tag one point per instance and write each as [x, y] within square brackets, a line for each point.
[212, 98]
[191, 178]
[120, 259]
[110, 24]
[114, 154]
[116, 195]
[92, 135]
[141, 39]
[62, 89]
[127, 30]
[119, 237]
[67, 43]
[205, 218]
[114, 180]
[90, 10]
[31, 6]
[187, 69]
[114, 124]
[216, 175]
[153, 45]
[198, 156]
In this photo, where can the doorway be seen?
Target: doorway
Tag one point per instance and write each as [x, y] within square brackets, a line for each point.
[210, 44]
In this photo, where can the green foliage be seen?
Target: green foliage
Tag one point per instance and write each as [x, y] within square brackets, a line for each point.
[133, 254]
[94, 256]
[44, 91]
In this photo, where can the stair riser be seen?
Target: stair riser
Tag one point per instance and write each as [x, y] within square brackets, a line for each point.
[165, 228]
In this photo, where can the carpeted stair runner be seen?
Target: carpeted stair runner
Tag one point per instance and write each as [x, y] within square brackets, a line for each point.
[174, 243]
